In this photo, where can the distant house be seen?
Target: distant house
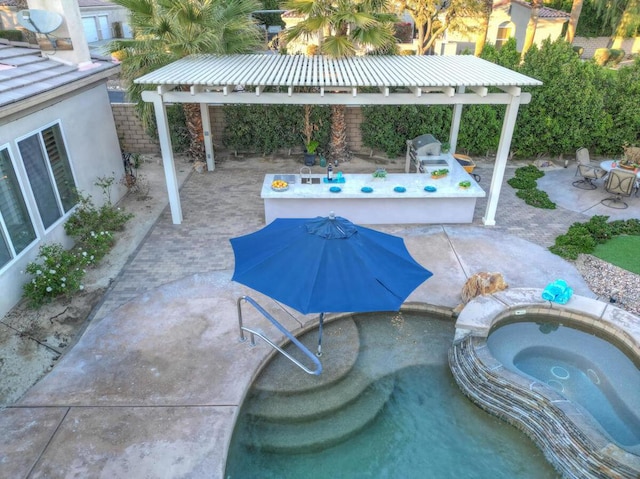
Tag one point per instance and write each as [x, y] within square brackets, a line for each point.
[104, 20]
[57, 135]
[509, 19]
[101, 20]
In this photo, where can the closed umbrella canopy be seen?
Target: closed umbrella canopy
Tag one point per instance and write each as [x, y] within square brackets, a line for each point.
[327, 264]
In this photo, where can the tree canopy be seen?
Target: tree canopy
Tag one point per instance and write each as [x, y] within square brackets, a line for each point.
[434, 17]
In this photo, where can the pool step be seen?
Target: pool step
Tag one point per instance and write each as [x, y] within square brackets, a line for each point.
[282, 394]
[303, 407]
[325, 431]
[303, 414]
[341, 342]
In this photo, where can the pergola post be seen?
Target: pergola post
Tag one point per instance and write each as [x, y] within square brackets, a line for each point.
[208, 139]
[166, 149]
[455, 121]
[502, 155]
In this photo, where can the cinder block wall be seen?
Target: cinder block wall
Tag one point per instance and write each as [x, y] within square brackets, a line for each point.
[131, 133]
[133, 137]
[218, 124]
[354, 136]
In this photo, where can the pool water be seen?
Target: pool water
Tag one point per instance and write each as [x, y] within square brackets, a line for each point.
[583, 384]
[427, 428]
[584, 368]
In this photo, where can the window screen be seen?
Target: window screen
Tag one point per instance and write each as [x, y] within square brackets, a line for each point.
[49, 172]
[15, 220]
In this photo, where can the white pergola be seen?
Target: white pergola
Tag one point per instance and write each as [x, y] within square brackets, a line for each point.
[285, 79]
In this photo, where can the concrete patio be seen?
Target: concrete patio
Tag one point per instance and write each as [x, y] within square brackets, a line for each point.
[153, 387]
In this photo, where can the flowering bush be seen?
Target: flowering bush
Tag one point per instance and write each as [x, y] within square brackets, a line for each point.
[94, 247]
[55, 272]
[88, 219]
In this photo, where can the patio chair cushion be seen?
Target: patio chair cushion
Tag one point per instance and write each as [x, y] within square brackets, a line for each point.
[593, 172]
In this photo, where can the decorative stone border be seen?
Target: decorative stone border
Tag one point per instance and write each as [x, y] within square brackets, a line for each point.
[569, 438]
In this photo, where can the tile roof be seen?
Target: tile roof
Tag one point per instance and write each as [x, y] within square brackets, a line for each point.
[546, 12]
[24, 72]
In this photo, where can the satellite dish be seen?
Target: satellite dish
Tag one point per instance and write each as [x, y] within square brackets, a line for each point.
[39, 21]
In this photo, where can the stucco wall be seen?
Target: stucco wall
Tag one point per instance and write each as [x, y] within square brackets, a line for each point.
[93, 150]
[515, 14]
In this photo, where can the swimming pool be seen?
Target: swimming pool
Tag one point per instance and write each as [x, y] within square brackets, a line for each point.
[584, 368]
[407, 420]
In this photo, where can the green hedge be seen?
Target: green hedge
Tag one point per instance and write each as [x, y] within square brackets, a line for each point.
[267, 128]
[580, 104]
[12, 35]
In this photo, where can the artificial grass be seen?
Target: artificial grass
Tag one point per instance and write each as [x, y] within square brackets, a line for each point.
[623, 251]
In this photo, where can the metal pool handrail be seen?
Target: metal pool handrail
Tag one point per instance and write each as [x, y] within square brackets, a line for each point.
[285, 331]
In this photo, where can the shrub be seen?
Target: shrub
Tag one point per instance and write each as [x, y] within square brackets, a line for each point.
[582, 238]
[599, 229]
[88, 219]
[55, 272]
[389, 127]
[522, 183]
[525, 182]
[616, 56]
[568, 110]
[537, 198]
[12, 35]
[625, 227]
[601, 56]
[95, 247]
[529, 171]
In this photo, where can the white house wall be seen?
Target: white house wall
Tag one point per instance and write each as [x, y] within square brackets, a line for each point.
[114, 14]
[92, 145]
[517, 14]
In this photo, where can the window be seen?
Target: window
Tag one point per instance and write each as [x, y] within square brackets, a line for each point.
[16, 230]
[45, 159]
[504, 33]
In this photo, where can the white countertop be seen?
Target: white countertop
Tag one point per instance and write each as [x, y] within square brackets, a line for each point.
[414, 184]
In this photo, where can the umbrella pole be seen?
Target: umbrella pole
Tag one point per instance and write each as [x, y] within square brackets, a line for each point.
[319, 353]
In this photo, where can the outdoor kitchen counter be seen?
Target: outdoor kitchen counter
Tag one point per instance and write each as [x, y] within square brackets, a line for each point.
[448, 204]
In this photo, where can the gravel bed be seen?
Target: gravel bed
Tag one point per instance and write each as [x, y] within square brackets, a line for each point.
[610, 282]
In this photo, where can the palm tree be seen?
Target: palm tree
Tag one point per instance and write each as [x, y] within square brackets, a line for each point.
[531, 26]
[622, 16]
[342, 28]
[167, 30]
[484, 26]
[576, 9]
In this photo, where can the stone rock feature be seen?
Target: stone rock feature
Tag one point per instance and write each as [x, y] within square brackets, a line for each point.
[482, 283]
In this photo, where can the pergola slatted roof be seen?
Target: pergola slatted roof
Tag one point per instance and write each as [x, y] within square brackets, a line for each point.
[285, 79]
[367, 71]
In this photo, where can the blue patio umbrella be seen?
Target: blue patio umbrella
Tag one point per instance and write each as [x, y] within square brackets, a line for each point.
[327, 264]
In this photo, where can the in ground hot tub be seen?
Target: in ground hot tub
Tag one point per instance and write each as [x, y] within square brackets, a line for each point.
[567, 375]
[586, 369]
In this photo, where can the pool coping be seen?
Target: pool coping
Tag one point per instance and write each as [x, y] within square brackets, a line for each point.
[532, 406]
